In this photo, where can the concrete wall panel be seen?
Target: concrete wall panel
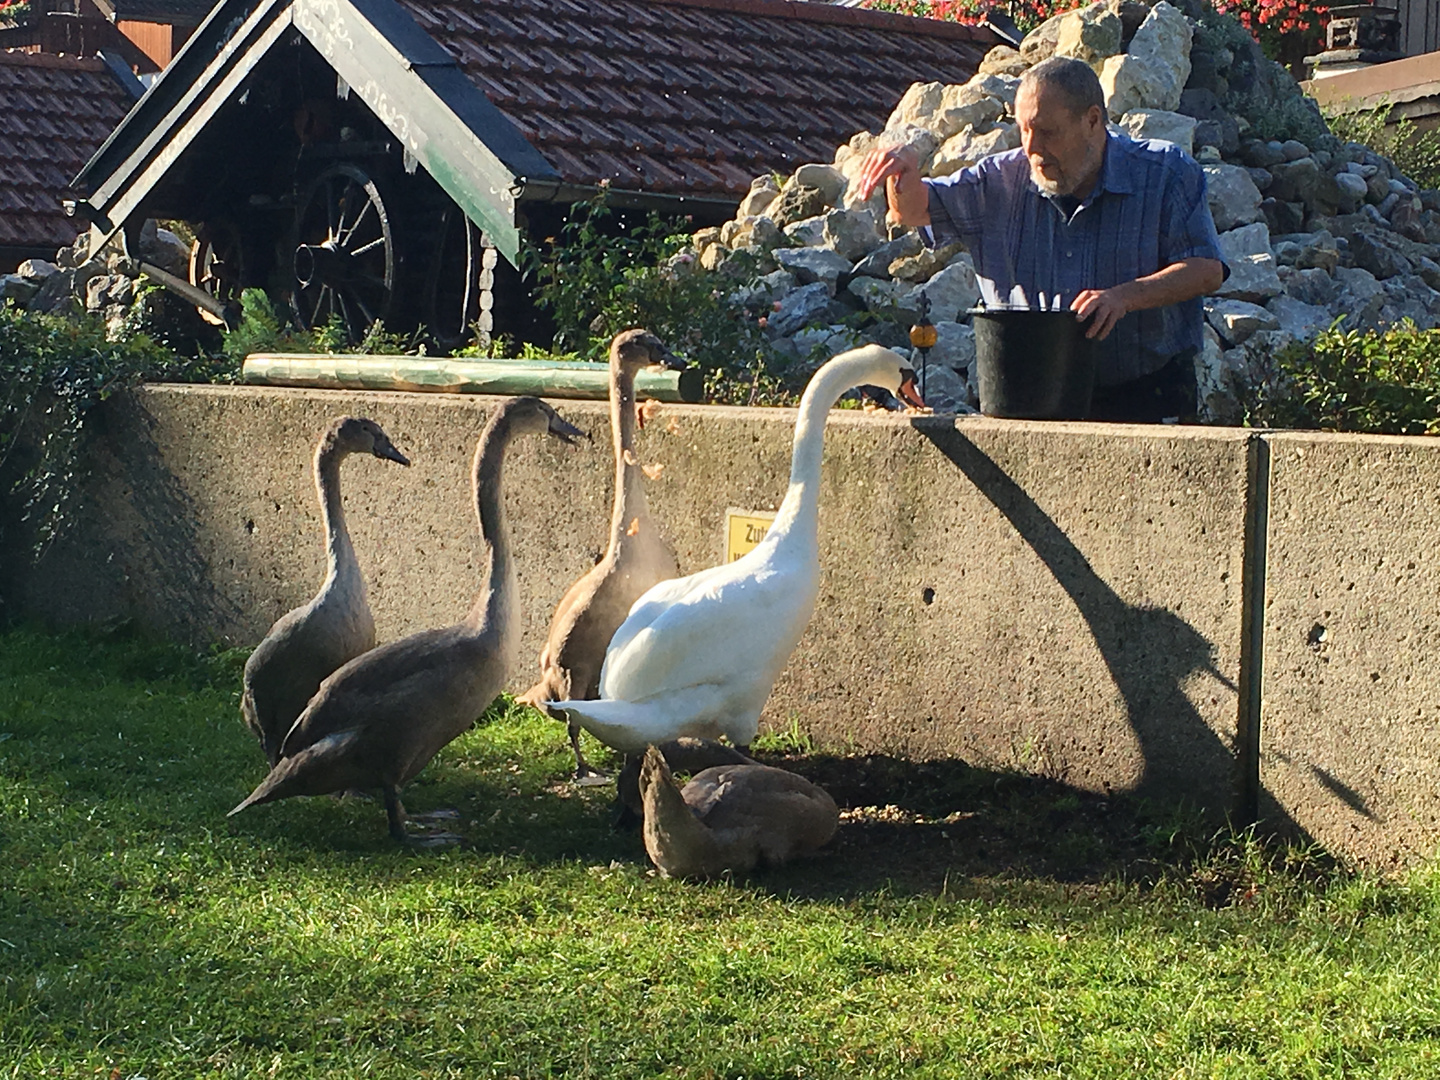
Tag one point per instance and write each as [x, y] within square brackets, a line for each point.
[1350, 728]
[1062, 599]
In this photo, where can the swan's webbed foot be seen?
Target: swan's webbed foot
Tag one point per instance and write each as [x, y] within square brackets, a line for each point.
[425, 838]
[586, 775]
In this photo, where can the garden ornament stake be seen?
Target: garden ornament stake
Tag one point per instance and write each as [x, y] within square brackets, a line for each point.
[923, 337]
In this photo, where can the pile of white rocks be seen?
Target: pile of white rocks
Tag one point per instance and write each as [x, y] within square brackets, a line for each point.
[75, 282]
[1311, 230]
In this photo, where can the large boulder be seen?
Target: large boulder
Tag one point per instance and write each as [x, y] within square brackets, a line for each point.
[763, 191]
[1234, 198]
[852, 234]
[1358, 297]
[1158, 124]
[795, 203]
[1253, 277]
[816, 264]
[1089, 34]
[967, 148]
[951, 292]
[807, 305]
[917, 105]
[826, 179]
[877, 263]
[1300, 320]
[1003, 60]
[964, 107]
[1152, 74]
[1236, 320]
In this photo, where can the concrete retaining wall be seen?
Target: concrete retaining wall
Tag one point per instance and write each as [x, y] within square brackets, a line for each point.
[1062, 599]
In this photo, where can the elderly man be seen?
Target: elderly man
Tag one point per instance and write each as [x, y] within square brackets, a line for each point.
[1120, 230]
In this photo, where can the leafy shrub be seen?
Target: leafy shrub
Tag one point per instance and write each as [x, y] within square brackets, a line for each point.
[1417, 153]
[1354, 380]
[54, 370]
[595, 281]
[263, 329]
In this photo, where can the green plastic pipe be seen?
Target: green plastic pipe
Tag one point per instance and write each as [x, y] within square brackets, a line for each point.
[543, 378]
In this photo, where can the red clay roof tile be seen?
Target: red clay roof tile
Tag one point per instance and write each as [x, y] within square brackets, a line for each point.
[55, 112]
[691, 97]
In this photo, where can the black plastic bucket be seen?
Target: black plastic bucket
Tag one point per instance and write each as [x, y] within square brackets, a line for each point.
[1033, 365]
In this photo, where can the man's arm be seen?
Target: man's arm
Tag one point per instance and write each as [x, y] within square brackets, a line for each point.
[905, 193]
[1173, 284]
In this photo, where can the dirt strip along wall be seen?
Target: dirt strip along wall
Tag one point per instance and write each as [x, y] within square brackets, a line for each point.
[1066, 600]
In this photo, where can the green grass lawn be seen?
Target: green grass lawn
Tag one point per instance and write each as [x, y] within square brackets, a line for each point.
[964, 923]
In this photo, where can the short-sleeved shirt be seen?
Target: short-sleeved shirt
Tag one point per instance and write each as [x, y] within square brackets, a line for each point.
[1149, 210]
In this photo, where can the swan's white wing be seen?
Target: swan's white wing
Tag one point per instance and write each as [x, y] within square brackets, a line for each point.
[733, 630]
[655, 600]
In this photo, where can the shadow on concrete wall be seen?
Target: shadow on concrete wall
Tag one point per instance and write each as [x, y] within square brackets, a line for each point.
[133, 556]
[1150, 652]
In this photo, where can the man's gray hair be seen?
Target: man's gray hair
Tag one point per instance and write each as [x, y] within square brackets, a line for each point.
[1074, 80]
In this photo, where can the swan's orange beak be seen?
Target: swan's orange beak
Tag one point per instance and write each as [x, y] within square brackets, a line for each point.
[907, 392]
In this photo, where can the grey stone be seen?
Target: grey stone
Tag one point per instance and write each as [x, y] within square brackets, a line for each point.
[36, 270]
[763, 191]
[944, 390]
[1234, 198]
[852, 234]
[967, 147]
[20, 289]
[1003, 60]
[1429, 271]
[1157, 124]
[1310, 286]
[1294, 149]
[105, 289]
[1282, 217]
[1217, 400]
[877, 263]
[826, 179]
[56, 289]
[795, 203]
[954, 345]
[1090, 34]
[1153, 73]
[1220, 129]
[1359, 297]
[1040, 43]
[763, 291]
[964, 107]
[1261, 178]
[808, 232]
[1352, 186]
[924, 264]
[758, 232]
[818, 344]
[876, 295]
[1300, 320]
[811, 265]
[916, 106]
[1002, 87]
[806, 305]
[1370, 252]
[1246, 251]
[1262, 154]
[951, 292]
[1236, 320]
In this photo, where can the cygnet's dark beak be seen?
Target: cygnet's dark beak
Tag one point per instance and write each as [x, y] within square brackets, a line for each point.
[907, 392]
[668, 361]
[389, 453]
[565, 431]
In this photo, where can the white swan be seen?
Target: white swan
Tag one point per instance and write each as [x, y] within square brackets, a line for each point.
[697, 655]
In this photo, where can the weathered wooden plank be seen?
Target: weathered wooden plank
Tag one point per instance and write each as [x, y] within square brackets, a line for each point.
[545, 378]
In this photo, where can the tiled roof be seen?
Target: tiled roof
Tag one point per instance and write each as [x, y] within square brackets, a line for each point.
[55, 111]
[692, 97]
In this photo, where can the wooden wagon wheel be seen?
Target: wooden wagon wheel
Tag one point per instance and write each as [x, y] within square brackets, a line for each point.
[217, 264]
[459, 280]
[344, 258]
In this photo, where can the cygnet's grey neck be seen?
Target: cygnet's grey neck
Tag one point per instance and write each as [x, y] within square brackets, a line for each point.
[342, 568]
[495, 604]
[630, 500]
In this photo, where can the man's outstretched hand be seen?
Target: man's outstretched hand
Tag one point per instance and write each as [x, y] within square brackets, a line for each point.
[897, 168]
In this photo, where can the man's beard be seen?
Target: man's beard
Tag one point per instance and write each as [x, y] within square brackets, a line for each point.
[1069, 181]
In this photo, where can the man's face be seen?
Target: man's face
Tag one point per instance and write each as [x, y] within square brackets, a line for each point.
[1065, 148]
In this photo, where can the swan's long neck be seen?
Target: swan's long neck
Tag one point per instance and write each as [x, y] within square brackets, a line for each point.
[629, 483]
[799, 515]
[341, 567]
[495, 606]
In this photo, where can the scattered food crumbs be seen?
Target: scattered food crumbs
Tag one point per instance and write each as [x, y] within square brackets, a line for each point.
[871, 406]
[652, 472]
[630, 458]
[634, 527]
[672, 426]
[915, 410]
[649, 410]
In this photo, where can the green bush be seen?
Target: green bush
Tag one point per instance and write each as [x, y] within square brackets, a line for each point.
[1416, 152]
[1354, 380]
[263, 329]
[53, 371]
[595, 280]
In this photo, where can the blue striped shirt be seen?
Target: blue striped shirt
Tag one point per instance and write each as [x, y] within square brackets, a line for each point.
[1148, 211]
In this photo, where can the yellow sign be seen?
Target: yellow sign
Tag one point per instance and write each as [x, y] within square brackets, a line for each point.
[744, 529]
